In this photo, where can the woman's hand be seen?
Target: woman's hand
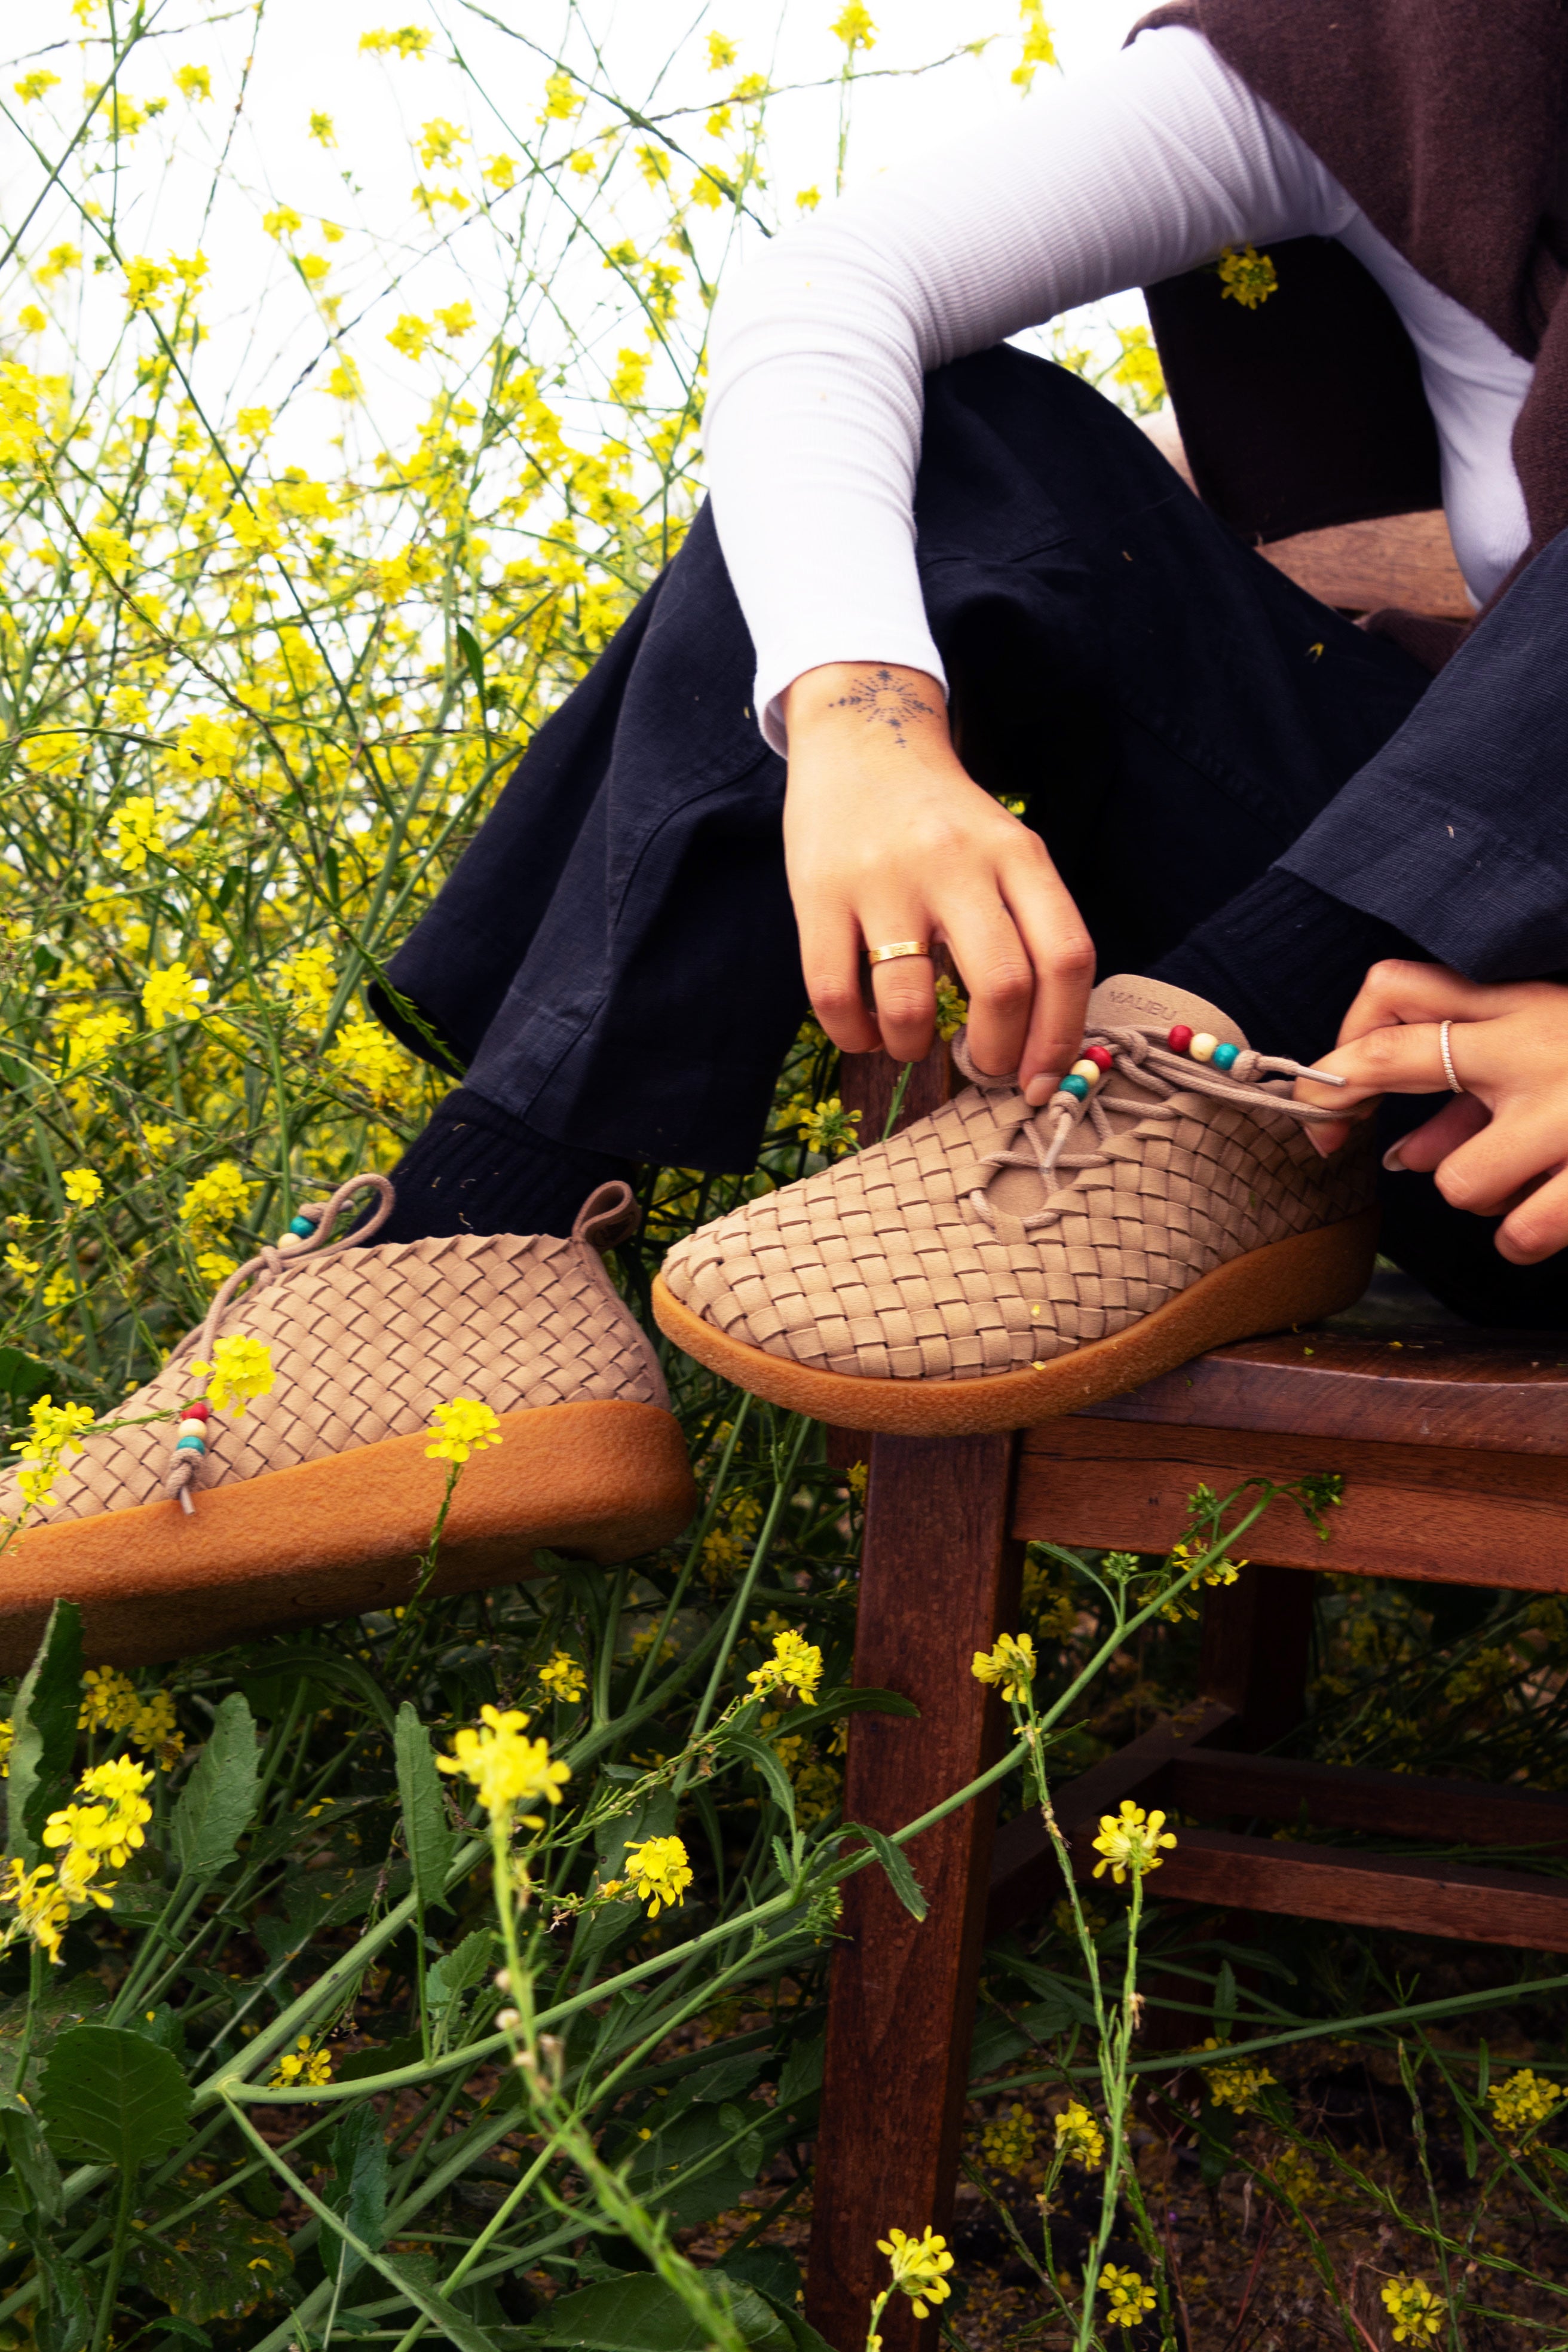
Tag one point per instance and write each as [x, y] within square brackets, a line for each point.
[887, 838]
[1501, 1149]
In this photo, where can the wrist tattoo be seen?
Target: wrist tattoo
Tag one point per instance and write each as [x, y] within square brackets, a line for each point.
[884, 701]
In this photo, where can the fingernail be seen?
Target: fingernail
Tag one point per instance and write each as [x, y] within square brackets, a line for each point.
[1038, 1091]
[1393, 1160]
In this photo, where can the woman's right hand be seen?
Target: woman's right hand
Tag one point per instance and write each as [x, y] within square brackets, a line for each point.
[887, 838]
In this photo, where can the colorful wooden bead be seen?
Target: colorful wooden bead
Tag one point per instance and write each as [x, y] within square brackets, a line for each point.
[1100, 1056]
[1202, 1047]
[189, 1428]
[1223, 1055]
[190, 1445]
[1180, 1038]
[302, 1228]
[1075, 1085]
[197, 1411]
[1089, 1072]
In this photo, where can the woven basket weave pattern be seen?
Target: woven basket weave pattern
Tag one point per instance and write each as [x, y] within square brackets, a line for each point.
[879, 1268]
[366, 1345]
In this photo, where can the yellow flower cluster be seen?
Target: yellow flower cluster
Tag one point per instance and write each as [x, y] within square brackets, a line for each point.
[111, 1703]
[828, 1129]
[1127, 2297]
[561, 1677]
[241, 1370]
[304, 2064]
[1522, 2105]
[795, 1665]
[1010, 1665]
[1247, 275]
[1080, 2140]
[1129, 1842]
[463, 1427]
[921, 2265]
[661, 1873]
[1419, 2312]
[506, 1769]
[107, 1827]
[55, 1431]
[1236, 2086]
[1008, 2140]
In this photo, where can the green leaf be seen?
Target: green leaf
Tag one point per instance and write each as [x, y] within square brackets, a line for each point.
[801, 2075]
[901, 1877]
[64, 2311]
[431, 1843]
[22, 1378]
[380, 2058]
[761, 1759]
[220, 2264]
[457, 1970]
[112, 2097]
[358, 2190]
[639, 2313]
[218, 1801]
[726, 2078]
[43, 1720]
[31, 2160]
[469, 645]
[860, 1700]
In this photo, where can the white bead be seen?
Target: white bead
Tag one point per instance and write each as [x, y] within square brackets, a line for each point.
[1203, 1045]
[1089, 1070]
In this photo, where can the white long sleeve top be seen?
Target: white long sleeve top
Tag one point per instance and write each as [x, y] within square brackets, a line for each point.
[1153, 164]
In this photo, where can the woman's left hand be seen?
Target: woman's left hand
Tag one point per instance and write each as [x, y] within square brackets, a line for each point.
[1501, 1149]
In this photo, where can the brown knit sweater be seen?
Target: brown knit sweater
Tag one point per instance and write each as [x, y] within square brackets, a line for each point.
[1444, 120]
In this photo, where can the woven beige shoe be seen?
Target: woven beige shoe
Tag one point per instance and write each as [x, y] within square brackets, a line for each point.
[318, 1500]
[993, 1267]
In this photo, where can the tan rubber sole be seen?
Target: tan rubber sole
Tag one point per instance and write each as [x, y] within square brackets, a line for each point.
[334, 1538]
[1295, 1281]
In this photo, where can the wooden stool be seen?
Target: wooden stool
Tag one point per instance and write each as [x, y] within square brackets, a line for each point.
[1454, 1447]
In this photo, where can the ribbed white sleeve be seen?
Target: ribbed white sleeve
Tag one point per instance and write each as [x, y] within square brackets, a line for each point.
[1152, 163]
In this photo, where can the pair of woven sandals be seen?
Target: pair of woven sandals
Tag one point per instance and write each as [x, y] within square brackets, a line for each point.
[987, 1268]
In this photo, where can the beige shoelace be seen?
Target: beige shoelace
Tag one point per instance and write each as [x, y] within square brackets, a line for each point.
[1139, 1056]
[274, 1262]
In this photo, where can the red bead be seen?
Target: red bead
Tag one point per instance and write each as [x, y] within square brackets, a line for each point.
[197, 1412]
[1098, 1057]
[1180, 1038]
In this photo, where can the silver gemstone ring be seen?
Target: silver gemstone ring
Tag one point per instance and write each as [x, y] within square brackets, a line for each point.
[1447, 1052]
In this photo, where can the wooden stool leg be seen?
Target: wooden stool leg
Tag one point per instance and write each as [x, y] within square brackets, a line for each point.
[939, 1581]
[1256, 1639]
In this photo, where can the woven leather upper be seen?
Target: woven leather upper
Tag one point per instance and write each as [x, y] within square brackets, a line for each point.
[881, 1267]
[365, 1345]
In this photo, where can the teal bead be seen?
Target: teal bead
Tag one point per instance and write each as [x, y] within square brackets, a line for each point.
[1073, 1085]
[302, 1227]
[190, 1445]
[1223, 1055]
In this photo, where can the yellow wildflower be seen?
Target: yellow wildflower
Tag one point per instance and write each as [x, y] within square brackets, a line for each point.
[83, 1187]
[215, 1198]
[1011, 1663]
[1247, 275]
[1234, 2086]
[1008, 2141]
[1039, 49]
[1522, 2104]
[281, 221]
[1130, 1841]
[34, 85]
[193, 82]
[109, 1700]
[722, 52]
[1417, 2312]
[254, 424]
[506, 1769]
[303, 2064]
[1078, 2138]
[455, 320]
[364, 1053]
[561, 1677]
[1130, 2297]
[807, 199]
[463, 1427]
[920, 2265]
[7, 1741]
[323, 132]
[661, 1873]
[854, 27]
[796, 1664]
[19, 1263]
[42, 1905]
[501, 172]
[241, 1370]
[145, 280]
[408, 41]
[829, 1128]
[172, 993]
[60, 259]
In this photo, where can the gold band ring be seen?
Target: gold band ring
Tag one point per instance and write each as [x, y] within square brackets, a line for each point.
[896, 949]
[1447, 1052]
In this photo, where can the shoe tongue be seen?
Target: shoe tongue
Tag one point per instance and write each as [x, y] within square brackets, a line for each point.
[1129, 1003]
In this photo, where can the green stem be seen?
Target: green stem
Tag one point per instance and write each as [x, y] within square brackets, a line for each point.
[116, 2258]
